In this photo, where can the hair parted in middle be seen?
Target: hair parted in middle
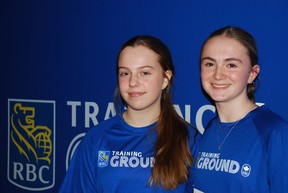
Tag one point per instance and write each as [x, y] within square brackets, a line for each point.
[172, 153]
[247, 40]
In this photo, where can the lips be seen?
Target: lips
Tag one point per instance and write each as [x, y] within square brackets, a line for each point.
[135, 94]
[220, 86]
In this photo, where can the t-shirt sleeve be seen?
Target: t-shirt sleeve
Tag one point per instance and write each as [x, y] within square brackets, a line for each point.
[80, 176]
[194, 143]
[278, 159]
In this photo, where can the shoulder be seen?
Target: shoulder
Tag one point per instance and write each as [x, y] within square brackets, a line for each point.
[265, 119]
[194, 134]
[270, 126]
[194, 139]
[104, 125]
[193, 131]
[95, 133]
[210, 124]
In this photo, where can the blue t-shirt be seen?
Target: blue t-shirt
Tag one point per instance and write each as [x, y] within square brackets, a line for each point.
[253, 157]
[116, 157]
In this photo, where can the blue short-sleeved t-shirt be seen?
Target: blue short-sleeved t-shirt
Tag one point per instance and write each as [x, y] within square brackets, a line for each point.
[116, 157]
[253, 157]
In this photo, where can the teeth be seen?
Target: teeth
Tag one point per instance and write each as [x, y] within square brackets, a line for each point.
[135, 94]
[220, 86]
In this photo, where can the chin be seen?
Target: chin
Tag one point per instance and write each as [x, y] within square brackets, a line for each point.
[218, 99]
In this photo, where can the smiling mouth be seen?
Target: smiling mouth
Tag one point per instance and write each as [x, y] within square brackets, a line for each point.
[135, 94]
[220, 86]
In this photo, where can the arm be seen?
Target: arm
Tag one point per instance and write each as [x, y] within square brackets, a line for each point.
[80, 176]
[278, 159]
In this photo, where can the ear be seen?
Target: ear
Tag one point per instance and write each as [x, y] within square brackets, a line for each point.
[254, 73]
[167, 77]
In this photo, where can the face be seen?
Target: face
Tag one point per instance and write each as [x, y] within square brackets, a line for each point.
[226, 69]
[141, 79]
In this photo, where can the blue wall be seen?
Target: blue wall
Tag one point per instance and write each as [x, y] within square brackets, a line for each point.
[58, 60]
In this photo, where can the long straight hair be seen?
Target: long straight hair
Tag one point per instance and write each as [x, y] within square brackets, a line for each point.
[172, 153]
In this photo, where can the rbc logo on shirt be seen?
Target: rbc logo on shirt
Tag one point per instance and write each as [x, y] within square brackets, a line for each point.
[103, 158]
[31, 144]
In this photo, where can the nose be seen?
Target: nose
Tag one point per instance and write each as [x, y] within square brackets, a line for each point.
[133, 82]
[219, 73]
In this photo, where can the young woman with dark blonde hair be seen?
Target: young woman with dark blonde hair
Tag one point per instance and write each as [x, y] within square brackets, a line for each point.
[147, 147]
[244, 149]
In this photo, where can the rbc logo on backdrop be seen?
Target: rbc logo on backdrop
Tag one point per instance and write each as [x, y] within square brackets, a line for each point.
[31, 144]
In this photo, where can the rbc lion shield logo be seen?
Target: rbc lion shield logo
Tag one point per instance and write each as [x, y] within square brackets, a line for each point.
[103, 158]
[31, 144]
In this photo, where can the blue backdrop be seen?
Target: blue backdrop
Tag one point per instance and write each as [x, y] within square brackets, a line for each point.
[58, 60]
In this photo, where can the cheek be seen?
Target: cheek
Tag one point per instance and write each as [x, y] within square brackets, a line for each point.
[242, 78]
[122, 83]
[204, 76]
[156, 85]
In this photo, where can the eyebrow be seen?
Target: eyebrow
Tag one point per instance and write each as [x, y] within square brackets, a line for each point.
[141, 67]
[226, 60]
[208, 58]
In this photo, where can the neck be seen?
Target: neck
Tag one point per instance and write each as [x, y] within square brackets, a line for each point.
[234, 112]
[140, 118]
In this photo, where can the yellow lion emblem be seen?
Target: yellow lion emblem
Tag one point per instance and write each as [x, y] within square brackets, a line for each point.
[33, 142]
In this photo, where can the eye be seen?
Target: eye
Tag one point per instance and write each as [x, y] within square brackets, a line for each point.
[208, 64]
[231, 65]
[123, 73]
[144, 73]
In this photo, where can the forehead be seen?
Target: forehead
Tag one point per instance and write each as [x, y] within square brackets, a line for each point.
[221, 45]
[138, 51]
[138, 55]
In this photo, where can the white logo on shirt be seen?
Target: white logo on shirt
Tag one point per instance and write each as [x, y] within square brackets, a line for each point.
[131, 159]
[246, 169]
[213, 162]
